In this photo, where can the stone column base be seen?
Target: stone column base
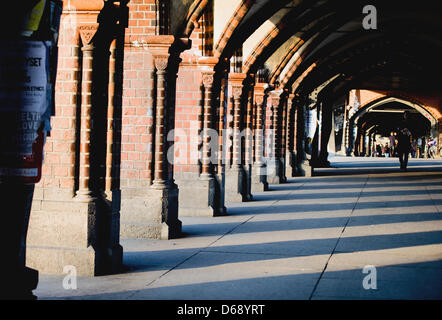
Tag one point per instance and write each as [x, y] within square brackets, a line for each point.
[171, 230]
[88, 261]
[248, 173]
[220, 180]
[80, 233]
[290, 166]
[259, 178]
[274, 171]
[305, 169]
[282, 170]
[150, 213]
[198, 196]
[234, 185]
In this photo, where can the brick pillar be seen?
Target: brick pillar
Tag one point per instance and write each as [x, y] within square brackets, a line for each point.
[201, 192]
[282, 139]
[274, 165]
[113, 145]
[304, 167]
[228, 134]
[221, 124]
[69, 226]
[235, 184]
[206, 172]
[151, 210]
[237, 150]
[294, 146]
[290, 152]
[165, 191]
[160, 170]
[221, 172]
[259, 177]
[350, 138]
[141, 212]
[84, 190]
[313, 129]
[343, 145]
[110, 124]
[326, 132]
[248, 152]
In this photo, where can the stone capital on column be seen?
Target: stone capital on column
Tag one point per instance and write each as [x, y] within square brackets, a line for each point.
[259, 92]
[259, 98]
[207, 65]
[275, 96]
[161, 61]
[207, 78]
[236, 92]
[159, 47]
[87, 32]
[236, 82]
[237, 78]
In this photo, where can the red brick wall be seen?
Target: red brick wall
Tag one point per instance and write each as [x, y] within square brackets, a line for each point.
[187, 118]
[141, 20]
[137, 120]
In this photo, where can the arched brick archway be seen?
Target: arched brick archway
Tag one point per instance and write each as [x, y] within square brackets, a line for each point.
[231, 25]
[409, 101]
[196, 10]
[426, 112]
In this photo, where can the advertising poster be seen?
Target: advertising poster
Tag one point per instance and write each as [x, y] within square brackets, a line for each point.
[23, 100]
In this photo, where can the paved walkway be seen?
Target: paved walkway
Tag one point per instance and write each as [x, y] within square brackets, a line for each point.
[307, 239]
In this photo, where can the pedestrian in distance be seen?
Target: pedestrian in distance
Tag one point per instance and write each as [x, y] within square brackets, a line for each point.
[404, 143]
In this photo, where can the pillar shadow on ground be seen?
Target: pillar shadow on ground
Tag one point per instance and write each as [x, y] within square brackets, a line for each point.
[219, 229]
[309, 207]
[348, 166]
[146, 260]
[421, 280]
[354, 185]
[350, 194]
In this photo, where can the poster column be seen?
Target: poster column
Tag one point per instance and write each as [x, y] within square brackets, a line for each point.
[27, 76]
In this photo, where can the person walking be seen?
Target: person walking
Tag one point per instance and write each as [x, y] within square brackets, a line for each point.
[413, 148]
[432, 148]
[392, 144]
[387, 150]
[419, 147]
[404, 143]
[378, 150]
